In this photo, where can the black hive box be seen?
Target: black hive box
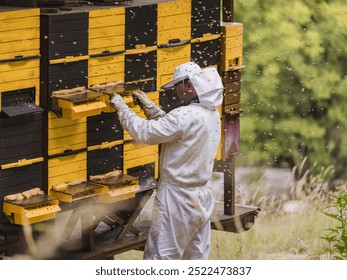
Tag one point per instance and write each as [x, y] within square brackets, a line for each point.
[205, 17]
[64, 52]
[104, 140]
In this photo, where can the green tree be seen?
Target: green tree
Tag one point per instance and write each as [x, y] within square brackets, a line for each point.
[294, 84]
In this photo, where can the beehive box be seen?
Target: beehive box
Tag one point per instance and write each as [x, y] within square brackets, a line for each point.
[231, 46]
[174, 25]
[106, 45]
[64, 52]
[19, 49]
[205, 18]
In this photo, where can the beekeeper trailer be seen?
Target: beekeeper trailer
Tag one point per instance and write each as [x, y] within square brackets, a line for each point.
[65, 160]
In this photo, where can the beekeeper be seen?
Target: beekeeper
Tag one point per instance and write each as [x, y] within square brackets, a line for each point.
[189, 135]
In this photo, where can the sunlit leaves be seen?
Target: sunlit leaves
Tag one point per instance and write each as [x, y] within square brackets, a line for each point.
[294, 85]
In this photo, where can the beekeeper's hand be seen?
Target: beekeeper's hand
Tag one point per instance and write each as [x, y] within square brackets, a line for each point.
[151, 110]
[141, 98]
[118, 102]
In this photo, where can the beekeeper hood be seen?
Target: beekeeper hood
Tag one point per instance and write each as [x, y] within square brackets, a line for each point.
[207, 83]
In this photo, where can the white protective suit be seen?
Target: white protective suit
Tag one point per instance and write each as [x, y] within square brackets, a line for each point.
[184, 202]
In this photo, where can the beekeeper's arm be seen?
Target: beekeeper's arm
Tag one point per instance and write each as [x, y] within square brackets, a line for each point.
[165, 129]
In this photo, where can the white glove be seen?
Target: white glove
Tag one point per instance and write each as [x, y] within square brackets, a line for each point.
[118, 102]
[151, 110]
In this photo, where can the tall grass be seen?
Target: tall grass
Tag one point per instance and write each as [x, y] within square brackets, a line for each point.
[276, 236]
[279, 234]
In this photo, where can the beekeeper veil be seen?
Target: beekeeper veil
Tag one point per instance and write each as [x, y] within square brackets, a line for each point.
[206, 82]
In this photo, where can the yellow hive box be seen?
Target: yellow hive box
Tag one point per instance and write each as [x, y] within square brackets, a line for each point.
[31, 210]
[231, 46]
[20, 50]
[174, 27]
[106, 68]
[106, 45]
[136, 154]
[78, 105]
[62, 169]
[117, 188]
[106, 30]
[174, 32]
[77, 192]
[171, 8]
[64, 134]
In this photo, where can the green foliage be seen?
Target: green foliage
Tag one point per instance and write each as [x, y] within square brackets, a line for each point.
[336, 237]
[294, 83]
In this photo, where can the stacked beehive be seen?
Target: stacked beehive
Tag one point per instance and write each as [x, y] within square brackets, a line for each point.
[231, 63]
[21, 143]
[206, 33]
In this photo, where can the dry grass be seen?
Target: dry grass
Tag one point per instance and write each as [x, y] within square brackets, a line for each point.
[274, 236]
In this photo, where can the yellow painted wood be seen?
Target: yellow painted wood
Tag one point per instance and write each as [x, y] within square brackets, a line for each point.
[19, 84]
[229, 29]
[18, 24]
[231, 59]
[75, 111]
[232, 42]
[141, 152]
[35, 213]
[22, 162]
[66, 131]
[141, 49]
[105, 21]
[19, 35]
[168, 67]
[107, 12]
[20, 13]
[25, 74]
[12, 54]
[105, 145]
[60, 162]
[67, 177]
[118, 194]
[206, 37]
[55, 122]
[71, 142]
[93, 80]
[182, 33]
[27, 45]
[130, 164]
[154, 96]
[173, 53]
[18, 65]
[174, 8]
[69, 59]
[106, 69]
[115, 43]
[106, 60]
[172, 22]
[140, 161]
[66, 169]
[107, 31]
